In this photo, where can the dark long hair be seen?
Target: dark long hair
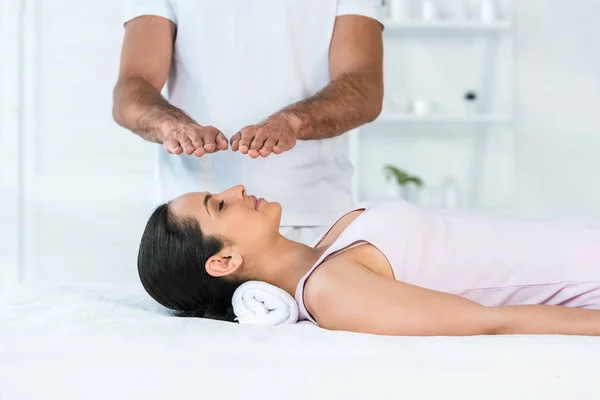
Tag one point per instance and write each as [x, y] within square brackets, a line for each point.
[171, 265]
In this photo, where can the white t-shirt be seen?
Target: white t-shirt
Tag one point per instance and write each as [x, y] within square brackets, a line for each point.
[236, 62]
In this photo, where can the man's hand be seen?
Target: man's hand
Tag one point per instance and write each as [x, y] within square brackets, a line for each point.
[274, 135]
[190, 138]
[138, 105]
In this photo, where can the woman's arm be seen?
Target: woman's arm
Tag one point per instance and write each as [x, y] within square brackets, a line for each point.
[353, 298]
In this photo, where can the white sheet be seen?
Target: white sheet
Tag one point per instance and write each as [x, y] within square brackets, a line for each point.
[111, 342]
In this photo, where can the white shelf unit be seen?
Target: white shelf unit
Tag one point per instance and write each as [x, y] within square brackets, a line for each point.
[477, 29]
[445, 118]
[392, 26]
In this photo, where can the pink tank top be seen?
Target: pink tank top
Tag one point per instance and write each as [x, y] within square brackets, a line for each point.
[491, 261]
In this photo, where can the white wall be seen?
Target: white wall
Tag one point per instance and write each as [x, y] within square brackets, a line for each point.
[559, 99]
[9, 143]
[87, 183]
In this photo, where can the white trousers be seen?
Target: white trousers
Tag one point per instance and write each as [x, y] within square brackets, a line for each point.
[303, 234]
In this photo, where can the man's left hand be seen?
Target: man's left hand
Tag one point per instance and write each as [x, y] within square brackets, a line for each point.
[274, 135]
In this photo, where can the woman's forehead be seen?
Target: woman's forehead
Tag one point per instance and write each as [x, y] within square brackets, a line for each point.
[189, 203]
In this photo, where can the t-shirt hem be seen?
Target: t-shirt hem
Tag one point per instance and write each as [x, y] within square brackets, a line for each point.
[365, 11]
[157, 10]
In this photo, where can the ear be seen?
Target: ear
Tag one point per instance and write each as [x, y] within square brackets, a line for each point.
[224, 263]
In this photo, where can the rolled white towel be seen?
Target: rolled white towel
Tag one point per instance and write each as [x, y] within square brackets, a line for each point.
[257, 302]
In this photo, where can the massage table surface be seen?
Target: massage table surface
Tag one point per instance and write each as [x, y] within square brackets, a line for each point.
[111, 341]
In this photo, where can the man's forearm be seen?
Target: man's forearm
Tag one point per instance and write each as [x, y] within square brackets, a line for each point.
[534, 319]
[141, 108]
[348, 102]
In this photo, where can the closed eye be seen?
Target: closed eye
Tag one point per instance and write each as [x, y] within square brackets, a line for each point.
[221, 204]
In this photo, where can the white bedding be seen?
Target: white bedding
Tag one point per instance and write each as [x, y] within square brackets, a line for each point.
[112, 342]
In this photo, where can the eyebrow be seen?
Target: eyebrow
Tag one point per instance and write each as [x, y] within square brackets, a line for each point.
[206, 200]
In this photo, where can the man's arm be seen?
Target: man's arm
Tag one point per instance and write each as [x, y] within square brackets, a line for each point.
[138, 104]
[352, 98]
[355, 94]
[352, 298]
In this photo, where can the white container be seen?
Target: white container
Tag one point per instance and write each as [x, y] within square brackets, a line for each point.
[395, 190]
[409, 192]
[420, 107]
[429, 11]
[399, 9]
[413, 193]
[451, 194]
[432, 197]
[488, 11]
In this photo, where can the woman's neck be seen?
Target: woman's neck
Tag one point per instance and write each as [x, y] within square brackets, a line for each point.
[285, 263]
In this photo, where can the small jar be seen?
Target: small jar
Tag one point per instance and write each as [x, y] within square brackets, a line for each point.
[451, 194]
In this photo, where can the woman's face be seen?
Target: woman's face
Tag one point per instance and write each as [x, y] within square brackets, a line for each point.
[245, 221]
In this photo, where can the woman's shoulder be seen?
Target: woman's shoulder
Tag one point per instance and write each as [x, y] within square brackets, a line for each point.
[328, 285]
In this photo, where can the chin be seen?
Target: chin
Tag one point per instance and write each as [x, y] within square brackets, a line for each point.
[277, 209]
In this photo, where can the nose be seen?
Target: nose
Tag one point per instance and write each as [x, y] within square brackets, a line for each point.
[238, 192]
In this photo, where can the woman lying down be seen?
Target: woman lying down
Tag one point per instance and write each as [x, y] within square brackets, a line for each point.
[386, 268]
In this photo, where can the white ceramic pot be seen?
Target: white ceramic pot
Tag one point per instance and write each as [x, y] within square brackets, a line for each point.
[420, 107]
[399, 9]
[413, 193]
[452, 194]
[395, 190]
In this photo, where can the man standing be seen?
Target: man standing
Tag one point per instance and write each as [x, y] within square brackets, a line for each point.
[259, 93]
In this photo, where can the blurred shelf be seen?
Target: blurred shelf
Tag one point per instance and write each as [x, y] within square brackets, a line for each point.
[445, 25]
[445, 118]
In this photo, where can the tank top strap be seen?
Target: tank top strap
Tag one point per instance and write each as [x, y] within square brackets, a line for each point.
[362, 205]
[340, 242]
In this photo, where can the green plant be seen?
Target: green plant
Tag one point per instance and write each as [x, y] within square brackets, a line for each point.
[402, 178]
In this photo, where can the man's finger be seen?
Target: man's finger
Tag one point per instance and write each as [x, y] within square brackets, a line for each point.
[195, 136]
[285, 144]
[268, 147]
[210, 135]
[185, 143]
[221, 141]
[257, 144]
[247, 135]
[235, 142]
[278, 149]
[172, 146]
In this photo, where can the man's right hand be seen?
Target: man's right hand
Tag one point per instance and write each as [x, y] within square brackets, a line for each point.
[180, 137]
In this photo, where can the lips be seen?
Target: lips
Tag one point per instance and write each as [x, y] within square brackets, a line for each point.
[256, 202]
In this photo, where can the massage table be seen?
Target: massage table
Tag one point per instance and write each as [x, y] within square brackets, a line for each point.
[111, 341]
